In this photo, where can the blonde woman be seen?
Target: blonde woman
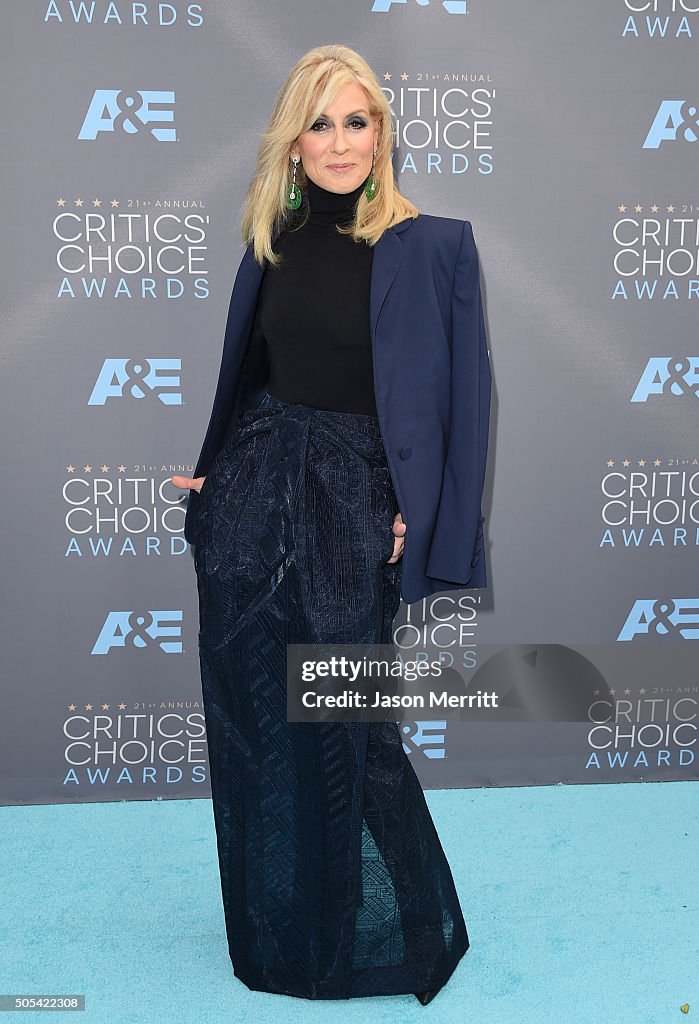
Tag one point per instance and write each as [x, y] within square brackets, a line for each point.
[342, 468]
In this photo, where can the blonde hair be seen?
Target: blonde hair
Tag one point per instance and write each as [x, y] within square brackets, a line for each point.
[312, 83]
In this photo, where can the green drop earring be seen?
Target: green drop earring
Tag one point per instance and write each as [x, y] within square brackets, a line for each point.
[294, 194]
[371, 182]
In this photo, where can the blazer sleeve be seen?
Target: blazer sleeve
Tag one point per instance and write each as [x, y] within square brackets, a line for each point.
[456, 552]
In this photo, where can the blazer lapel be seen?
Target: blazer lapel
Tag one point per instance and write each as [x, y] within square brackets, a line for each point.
[388, 255]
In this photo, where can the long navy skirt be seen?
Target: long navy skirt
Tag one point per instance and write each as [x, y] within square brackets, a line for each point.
[333, 878]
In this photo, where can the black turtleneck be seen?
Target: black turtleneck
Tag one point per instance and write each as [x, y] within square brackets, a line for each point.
[314, 309]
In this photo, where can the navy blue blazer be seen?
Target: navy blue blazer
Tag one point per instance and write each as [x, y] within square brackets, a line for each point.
[432, 384]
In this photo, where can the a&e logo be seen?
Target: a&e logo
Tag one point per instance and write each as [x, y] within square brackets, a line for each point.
[450, 6]
[676, 119]
[143, 377]
[671, 617]
[140, 630]
[112, 110]
[668, 376]
[428, 738]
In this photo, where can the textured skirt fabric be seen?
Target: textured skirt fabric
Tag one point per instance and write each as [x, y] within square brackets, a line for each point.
[333, 878]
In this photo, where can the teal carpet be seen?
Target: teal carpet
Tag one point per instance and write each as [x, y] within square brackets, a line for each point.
[581, 904]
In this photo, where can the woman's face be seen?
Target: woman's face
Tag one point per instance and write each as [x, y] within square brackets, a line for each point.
[337, 150]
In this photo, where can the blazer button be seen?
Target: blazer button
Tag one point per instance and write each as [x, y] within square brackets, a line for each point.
[405, 453]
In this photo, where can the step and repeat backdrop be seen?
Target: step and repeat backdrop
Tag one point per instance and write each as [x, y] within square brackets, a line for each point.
[567, 133]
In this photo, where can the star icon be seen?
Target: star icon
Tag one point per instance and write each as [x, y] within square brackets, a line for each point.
[70, 469]
[61, 202]
[87, 469]
[114, 202]
[105, 469]
[654, 208]
[622, 208]
[671, 208]
[387, 76]
[641, 462]
[122, 707]
[72, 707]
[626, 463]
[405, 76]
[638, 208]
[610, 462]
[105, 707]
[626, 691]
[657, 462]
[122, 469]
[96, 202]
[88, 707]
[78, 202]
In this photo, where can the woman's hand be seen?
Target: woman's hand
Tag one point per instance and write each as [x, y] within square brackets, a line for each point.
[194, 483]
[398, 542]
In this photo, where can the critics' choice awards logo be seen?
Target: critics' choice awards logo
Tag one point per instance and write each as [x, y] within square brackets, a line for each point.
[158, 741]
[124, 14]
[675, 121]
[650, 503]
[655, 255]
[149, 111]
[442, 122]
[113, 513]
[659, 19]
[450, 6]
[148, 249]
[134, 629]
[662, 617]
[440, 627]
[637, 732]
[668, 376]
[138, 378]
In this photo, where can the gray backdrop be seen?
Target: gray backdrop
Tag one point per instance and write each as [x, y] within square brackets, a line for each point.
[567, 133]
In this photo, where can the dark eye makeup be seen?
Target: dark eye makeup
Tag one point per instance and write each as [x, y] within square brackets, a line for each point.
[321, 123]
